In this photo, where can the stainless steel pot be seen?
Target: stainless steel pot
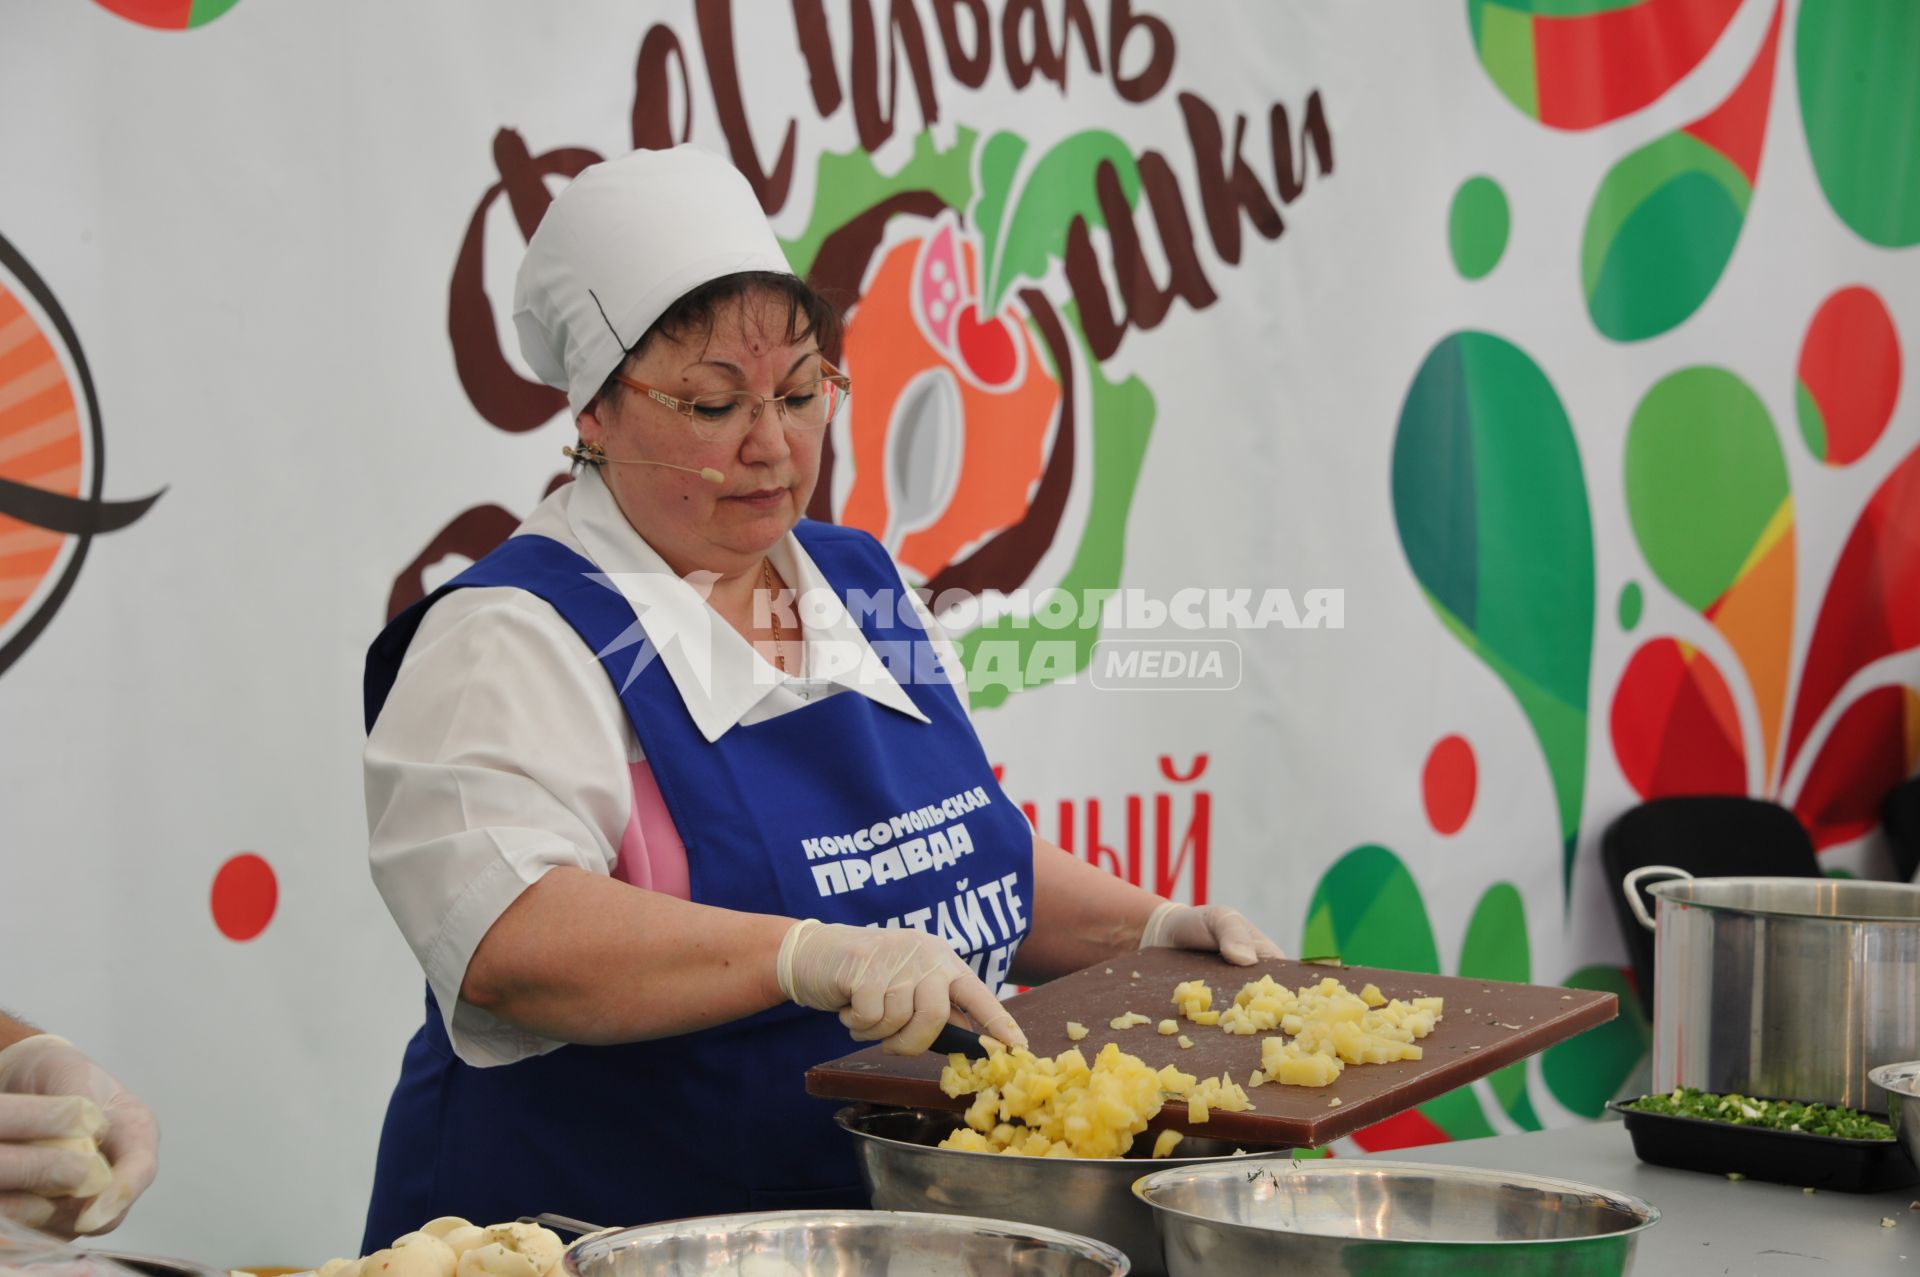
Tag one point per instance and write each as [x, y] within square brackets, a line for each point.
[1786, 988]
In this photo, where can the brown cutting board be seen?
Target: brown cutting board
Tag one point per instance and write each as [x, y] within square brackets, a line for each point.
[1485, 1025]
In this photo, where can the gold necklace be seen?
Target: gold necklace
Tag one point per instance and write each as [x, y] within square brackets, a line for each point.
[773, 608]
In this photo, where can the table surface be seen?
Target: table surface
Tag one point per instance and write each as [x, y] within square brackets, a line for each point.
[1710, 1224]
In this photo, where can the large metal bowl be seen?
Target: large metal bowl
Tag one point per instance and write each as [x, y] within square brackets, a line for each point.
[1092, 1197]
[1901, 1082]
[840, 1244]
[1310, 1218]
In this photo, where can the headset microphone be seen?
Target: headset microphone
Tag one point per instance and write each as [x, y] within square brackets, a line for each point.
[590, 454]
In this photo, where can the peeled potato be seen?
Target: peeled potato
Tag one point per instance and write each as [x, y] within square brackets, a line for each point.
[443, 1256]
[464, 1238]
[420, 1260]
[541, 1245]
[333, 1267]
[99, 1174]
[445, 1224]
[493, 1260]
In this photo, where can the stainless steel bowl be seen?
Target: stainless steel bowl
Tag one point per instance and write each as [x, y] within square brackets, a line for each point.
[840, 1244]
[1093, 1197]
[1383, 1218]
[1901, 1082]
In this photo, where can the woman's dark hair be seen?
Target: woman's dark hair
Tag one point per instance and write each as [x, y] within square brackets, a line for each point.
[808, 315]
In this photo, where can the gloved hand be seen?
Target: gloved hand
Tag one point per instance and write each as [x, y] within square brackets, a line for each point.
[897, 985]
[46, 1081]
[1211, 927]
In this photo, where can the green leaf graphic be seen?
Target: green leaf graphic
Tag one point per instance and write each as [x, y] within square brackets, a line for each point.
[1368, 910]
[1059, 188]
[1860, 103]
[1491, 507]
[848, 184]
[1705, 476]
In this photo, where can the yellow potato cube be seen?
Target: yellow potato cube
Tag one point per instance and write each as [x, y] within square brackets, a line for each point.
[1372, 996]
[1308, 1070]
[1166, 1143]
[1169, 1027]
[1075, 1030]
[1192, 996]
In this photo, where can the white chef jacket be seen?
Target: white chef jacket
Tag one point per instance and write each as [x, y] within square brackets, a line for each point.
[503, 749]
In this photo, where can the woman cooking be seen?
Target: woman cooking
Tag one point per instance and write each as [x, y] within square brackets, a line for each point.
[660, 840]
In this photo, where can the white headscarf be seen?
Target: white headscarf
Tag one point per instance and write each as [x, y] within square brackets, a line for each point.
[623, 242]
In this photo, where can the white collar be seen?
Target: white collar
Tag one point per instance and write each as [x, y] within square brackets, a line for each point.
[719, 675]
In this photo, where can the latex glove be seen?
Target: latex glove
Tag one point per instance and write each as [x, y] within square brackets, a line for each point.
[45, 1065]
[897, 985]
[1211, 927]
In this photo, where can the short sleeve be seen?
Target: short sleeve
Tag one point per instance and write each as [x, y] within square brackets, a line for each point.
[500, 754]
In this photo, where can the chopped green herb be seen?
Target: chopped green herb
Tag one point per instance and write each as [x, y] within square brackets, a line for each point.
[1776, 1115]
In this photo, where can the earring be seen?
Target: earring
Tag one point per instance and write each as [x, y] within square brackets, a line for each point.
[586, 454]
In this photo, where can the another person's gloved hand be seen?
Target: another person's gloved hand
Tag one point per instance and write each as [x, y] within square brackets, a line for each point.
[1211, 927]
[894, 984]
[46, 1082]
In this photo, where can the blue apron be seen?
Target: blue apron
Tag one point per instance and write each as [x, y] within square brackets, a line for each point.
[844, 810]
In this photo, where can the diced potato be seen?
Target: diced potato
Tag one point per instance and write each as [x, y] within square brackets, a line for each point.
[1128, 1019]
[1372, 996]
[1166, 1143]
[1186, 1043]
[1028, 1106]
[1307, 1070]
[1169, 1027]
[1075, 1030]
[1192, 997]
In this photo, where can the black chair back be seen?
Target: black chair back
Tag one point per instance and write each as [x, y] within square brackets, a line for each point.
[1900, 817]
[1709, 837]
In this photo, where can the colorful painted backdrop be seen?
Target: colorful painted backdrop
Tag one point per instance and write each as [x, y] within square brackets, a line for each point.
[1566, 340]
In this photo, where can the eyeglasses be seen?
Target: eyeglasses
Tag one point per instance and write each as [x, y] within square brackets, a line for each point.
[729, 414]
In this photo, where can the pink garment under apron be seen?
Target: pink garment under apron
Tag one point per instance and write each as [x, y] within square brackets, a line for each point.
[651, 853]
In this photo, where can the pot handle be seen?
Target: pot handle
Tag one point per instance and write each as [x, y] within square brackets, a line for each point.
[1631, 885]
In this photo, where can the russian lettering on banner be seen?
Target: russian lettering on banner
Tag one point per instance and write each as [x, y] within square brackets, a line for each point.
[1173, 860]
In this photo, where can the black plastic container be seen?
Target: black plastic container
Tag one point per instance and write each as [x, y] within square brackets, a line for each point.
[1780, 1157]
